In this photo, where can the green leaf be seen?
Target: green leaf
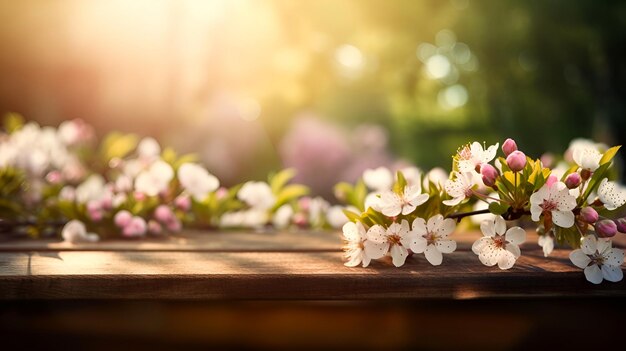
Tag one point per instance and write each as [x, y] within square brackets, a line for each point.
[290, 192]
[353, 217]
[400, 184]
[169, 155]
[187, 158]
[498, 208]
[594, 182]
[118, 145]
[279, 180]
[13, 122]
[609, 154]
[358, 197]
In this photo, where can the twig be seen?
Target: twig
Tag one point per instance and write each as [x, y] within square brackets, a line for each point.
[461, 215]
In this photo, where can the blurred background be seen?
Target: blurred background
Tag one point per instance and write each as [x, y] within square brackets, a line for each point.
[328, 87]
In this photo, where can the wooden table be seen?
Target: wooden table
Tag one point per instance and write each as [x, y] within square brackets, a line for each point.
[198, 288]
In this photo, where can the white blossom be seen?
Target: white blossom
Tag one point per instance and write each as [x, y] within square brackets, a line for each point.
[556, 200]
[155, 179]
[598, 260]
[546, 242]
[587, 157]
[379, 179]
[335, 216]
[197, 181]
[373, 201]
[499, 245]
[392, 204]
[282, 217]
[396, 240]
[354, 235]
[413, 175]
[148, 149]
[459, 188]
[472, 156]
[91, 189]
[433, 237]
[257, 194]
[612, 195]
[317, 208]
[74, 232]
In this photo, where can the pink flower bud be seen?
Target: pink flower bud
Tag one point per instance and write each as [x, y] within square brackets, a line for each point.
[154, 227]
[93, 206]
[509, 146]
[551, 180]
[516, 161]
[95, 215]
[300, 219]
[304, 203]
[606, 228]
[573, 180]
[589, 215]
[137, 227]
[183, 203]
[489, 173]
[621, 225]
[139, 196]
[221, 193]
[122, 218]
[174, 225]
[163, 214]
[54, 177]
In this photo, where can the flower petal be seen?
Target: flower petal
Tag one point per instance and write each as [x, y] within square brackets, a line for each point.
[366, 259]
[516, 235]
[514, 249]
[446, 227]
[579, 258]
[354, 257]
[564, 219]
[506, 259]
[604, 244]
[612, 273]
[500, 225]
[390, 204]
[434, 222]
[376, 250]
[489, 254]
[593, 274]
[419, 226]
[478, 245]
[433, 255]
[453, 202]
[418, 245]
[614, 257]
[377, 234]
[589, 245]
[446, 246]
[488, 227]
[351, 232]
[398, 255]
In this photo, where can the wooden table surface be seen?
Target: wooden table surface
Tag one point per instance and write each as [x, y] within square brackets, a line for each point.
[276, 265]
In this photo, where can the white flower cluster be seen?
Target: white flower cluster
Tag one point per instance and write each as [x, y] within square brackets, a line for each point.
[564, 202]
[430, 238]
[44, 154]
[262, 210]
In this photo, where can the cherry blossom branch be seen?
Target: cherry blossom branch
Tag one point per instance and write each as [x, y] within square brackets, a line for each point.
[460, 215]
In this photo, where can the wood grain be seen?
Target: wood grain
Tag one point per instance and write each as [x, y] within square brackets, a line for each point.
[270, 266]
[313, 275]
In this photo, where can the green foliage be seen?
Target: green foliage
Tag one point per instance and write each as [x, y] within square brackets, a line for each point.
[290, 193]
[400, 184]
[117, 145]
[353, 195]
[13, 122]
[279, 180]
